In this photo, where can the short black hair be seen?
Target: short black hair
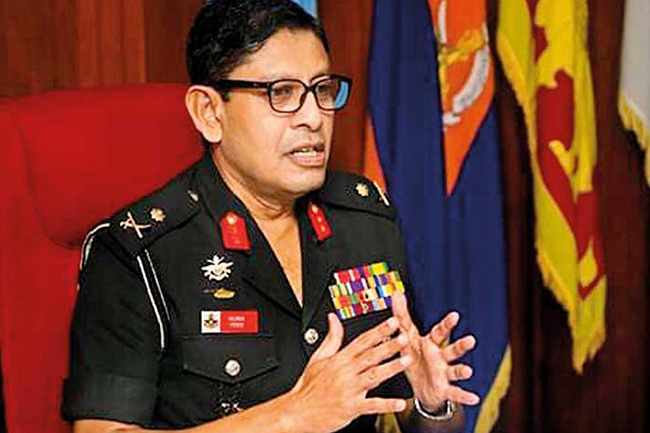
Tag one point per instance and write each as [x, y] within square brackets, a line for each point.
[225, 32]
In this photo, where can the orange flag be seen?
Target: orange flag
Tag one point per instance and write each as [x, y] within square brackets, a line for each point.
[466, 76]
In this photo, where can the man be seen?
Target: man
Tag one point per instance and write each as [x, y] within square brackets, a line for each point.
[208, 305]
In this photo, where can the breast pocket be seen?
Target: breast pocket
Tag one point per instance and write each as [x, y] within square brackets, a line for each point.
[360, 324]
[236, 371]
[227, 358]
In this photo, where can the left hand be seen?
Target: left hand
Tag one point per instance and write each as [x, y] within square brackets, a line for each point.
[431, 373]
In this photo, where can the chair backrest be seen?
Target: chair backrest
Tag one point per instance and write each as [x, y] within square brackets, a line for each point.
[69, 159]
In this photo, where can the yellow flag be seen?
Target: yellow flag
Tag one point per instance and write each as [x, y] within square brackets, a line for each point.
[543, 46]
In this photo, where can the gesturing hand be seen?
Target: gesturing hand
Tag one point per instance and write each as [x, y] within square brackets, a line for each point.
[431, 373]
[332, 389]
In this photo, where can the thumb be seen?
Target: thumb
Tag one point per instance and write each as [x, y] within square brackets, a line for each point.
[332, 342]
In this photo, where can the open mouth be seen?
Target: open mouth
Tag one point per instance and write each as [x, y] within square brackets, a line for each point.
[312, 155]
[309, 150]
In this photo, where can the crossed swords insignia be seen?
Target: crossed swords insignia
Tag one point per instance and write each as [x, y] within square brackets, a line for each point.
[131, 223]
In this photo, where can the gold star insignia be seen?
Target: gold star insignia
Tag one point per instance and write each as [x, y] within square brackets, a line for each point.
[362, 189]
[157, 214]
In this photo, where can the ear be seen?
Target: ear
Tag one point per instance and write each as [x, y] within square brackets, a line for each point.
[205, 106]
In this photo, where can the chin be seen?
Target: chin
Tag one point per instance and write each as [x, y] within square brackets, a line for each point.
[306, 182]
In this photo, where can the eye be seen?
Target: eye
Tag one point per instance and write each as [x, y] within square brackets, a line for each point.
[326, 89]
[282, 91]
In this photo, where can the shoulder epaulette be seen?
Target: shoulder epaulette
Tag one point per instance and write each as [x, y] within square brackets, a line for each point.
[141, 223]
[356, 192]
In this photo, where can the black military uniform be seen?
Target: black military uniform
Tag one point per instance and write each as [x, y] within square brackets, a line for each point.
[184, 314]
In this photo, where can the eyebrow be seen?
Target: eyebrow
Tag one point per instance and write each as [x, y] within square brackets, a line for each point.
[281, 76]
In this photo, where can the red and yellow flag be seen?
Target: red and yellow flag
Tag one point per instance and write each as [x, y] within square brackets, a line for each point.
[543, 47]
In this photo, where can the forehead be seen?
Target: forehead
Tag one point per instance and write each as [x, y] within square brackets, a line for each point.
[287, 54]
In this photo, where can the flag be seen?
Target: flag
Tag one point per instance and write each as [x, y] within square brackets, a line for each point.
[310, 6]
[543, 47]
[454, 237]
[466, 75]
[634, 92]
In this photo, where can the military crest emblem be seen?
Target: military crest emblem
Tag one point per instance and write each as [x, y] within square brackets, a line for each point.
[217, 269]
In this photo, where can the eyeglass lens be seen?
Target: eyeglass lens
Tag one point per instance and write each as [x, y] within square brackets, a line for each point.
[289, 95]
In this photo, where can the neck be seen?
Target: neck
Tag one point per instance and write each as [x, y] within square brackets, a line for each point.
[263, 207]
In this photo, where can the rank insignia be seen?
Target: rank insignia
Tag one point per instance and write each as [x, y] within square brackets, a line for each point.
[157, 214]
[319, 222]
[362, 189]
[234, 233]
[131, 223]
[364, 289]
[217, 268]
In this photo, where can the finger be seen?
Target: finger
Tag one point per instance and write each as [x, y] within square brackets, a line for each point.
[459, 348]
[381, 405]
[333, 340]
[459, 395]
[441, 331]
[400, 310]
[371, 357]
[374, 376]
[372, 337]
[459, 372]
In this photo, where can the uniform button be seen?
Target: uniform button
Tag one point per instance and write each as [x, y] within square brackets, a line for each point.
[233, 367]
[311, 336]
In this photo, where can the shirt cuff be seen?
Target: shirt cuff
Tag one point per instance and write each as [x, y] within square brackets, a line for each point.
[117, 398]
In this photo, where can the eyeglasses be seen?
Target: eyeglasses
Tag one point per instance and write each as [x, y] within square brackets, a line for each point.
[289, 95]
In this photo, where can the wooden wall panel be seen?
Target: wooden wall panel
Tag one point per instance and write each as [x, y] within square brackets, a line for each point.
[65, 73]
[134, 40]
[27, 48]
[168, 22]
[54, 44]
[348, 26]
[88, 44]
[111, 42]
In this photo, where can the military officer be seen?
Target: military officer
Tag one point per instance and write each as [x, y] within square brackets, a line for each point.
[256, 291]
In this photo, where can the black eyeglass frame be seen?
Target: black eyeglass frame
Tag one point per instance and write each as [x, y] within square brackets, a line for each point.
[226, 85]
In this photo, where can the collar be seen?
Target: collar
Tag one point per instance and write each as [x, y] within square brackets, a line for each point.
[236, 225]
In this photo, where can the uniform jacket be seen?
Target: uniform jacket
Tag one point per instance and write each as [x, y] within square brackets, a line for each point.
[184, 314]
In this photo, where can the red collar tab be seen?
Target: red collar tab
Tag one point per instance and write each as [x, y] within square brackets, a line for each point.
[319, 222]
[233, 232]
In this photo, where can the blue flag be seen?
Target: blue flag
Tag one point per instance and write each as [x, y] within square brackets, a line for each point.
[454, 243]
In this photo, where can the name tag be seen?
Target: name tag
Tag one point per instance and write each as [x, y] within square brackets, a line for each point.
[229, 322]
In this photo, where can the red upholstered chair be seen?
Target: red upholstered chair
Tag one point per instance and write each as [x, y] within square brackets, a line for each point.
[67, 160]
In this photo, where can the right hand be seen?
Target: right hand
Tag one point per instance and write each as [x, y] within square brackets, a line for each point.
[331, 392]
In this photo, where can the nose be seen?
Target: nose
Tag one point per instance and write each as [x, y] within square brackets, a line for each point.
[309, 114]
